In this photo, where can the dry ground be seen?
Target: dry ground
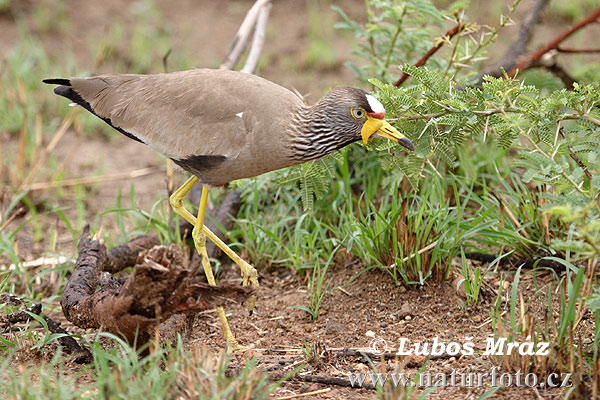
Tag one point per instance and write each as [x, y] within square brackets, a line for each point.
[371, 302]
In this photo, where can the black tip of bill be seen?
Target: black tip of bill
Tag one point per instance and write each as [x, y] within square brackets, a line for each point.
[406, 143]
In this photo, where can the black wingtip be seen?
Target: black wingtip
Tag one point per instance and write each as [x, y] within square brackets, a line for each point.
[57, 81]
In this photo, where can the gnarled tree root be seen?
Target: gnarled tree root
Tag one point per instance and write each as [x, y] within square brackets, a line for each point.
[158, 289]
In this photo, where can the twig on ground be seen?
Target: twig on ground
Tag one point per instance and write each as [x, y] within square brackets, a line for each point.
[82, 353]
[87, 180]
[511, 216]
[313, 393]
[325, 380]
[514, 262]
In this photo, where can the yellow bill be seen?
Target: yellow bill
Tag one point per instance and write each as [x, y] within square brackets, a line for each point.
[383, 129]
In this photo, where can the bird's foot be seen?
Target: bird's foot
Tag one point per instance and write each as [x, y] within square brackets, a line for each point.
[233, 346]
[249, 274]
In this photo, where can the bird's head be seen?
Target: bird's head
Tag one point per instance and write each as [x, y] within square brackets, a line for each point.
[357, 113]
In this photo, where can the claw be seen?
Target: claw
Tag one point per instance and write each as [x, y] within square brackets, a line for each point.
[234, 346]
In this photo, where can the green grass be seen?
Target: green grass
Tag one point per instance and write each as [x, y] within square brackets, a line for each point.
[118, 371]
[409, 228]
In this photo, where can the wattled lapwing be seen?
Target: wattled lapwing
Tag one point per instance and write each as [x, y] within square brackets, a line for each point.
[223, 125]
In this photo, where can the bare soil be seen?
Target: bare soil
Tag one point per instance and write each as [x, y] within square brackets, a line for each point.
[355, 311]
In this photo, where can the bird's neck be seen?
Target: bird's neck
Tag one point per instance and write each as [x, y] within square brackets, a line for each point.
[316, 133]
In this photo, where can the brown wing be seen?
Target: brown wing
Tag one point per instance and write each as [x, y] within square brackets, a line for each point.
[189, 113]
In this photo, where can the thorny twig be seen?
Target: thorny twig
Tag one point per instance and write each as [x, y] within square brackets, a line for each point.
[449, 35]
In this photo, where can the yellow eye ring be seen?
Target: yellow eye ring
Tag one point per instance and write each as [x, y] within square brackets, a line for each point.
[358, 113]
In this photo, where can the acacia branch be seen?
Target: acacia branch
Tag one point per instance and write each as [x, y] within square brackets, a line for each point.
[449, 35]
[519, 46]
[554, 43]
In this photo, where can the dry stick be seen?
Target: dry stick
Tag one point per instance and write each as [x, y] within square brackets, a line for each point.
[258, 40]
[296, 396]
[95, 179]
[564, 50]
[413, 255]
[84, 356]
[62, 129]
[243, 35]
[511, 216]
[327, 380]
[449, 35]
[14, 215]
[554, 43]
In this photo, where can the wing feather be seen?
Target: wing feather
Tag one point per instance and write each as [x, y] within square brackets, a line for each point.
[187, 113]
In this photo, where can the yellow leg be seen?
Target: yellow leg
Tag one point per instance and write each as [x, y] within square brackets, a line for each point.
[176, 200]
[249, 274]
[199, 234]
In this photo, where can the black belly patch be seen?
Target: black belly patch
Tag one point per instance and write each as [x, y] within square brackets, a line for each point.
[198, 163]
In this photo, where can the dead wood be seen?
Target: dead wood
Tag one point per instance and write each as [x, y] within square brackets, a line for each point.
[515, 262]
[121, 257]
[330, 380]
[125, 255]
[158, 288]
[81, 353]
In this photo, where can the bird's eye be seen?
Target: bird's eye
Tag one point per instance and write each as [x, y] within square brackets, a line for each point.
[358, 113]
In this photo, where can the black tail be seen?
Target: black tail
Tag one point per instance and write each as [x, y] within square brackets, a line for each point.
[65, 90]
[57, 81]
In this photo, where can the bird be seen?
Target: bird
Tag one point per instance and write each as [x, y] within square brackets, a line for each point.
[222, 125]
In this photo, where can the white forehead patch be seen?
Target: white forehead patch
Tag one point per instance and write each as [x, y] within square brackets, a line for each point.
[376, 106]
